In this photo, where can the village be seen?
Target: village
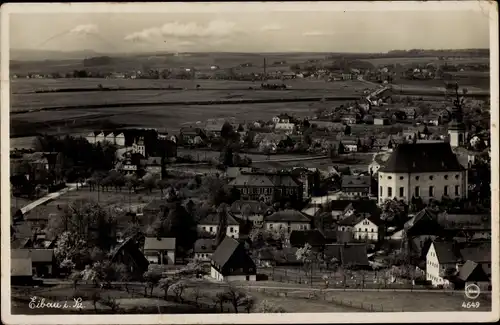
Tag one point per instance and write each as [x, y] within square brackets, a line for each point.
[401, 201]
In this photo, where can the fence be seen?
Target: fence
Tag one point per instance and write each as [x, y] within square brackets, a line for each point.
[322, 296]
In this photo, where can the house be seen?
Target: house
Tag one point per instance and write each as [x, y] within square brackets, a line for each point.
[313, 237]
[154, 165]
[472, 273]
[159, 250]
[446, 259]
[251, 210]
[266, 258]
[285, 127]
[349, 145]
[425, 170]
[410, 112]
[378, 161]
[139, 147]
[287, 219]
[270, 142]
[268, 187]
[357, 186]
[368, 229]
[21, 270]
[204, 248]
[231, 262]
[349, 118]
[43, 261]
[129, 254]
[190, 135]
[381, 121]
[351, 255]
[282, 118]
[210, 224]
[214, 127]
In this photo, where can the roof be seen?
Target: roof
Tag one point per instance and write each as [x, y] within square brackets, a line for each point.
[21, 266]
[424, 214]
[348, 254]
[356, 181]
[288, 215]
[36, 255]
[205, 245]
[421, 158]
[213, 219]
[365, 206]
[479, 253]
[351, 220]
[251, 180]
[339, 205]
[153, 243]
[446, 252]
[225, 250]
[472, 271]
[312, 237]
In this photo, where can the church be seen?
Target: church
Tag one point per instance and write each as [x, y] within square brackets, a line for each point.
[428, 170]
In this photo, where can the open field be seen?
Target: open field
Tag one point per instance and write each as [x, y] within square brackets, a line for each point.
[427, 59]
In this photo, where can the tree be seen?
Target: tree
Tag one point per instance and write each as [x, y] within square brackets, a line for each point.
[267, 307]
[71, 251]
[75, 277]
[393, 211]
[178, 289]
[196, 293]
[222, 212]
[219, 299]
[152, 279]
[165, 284]
[151, 181]
[236, 297]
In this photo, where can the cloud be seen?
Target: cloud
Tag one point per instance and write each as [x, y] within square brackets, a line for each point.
[314, 33]
[271, 28]
[216, 28]
[85, 29]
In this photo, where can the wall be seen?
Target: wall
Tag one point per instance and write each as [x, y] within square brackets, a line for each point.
[366, 230]
[240, 278]
[433, 267]
[235, 233]
[285, 225]
[454, 140]
[410, 181]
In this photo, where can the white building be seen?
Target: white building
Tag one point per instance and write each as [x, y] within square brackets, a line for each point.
[366, 229]
[440, 257]
[210, 224]
[116, 138]
[425, 170]
[288, 220]
[139, 147]
[287, 127]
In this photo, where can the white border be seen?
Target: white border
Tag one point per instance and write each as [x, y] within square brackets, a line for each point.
[489, 8]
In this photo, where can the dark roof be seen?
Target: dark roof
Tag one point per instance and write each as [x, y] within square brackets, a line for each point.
[351, 220]
[337, 236]
[36, 255]
[20, 264]
[356, 181]
[479, 253]
[339, 205]
[365, 206]
[446, 252]
[225, 250]
[472, 271]
[205, 245]
[299, 238]
[348, 254]
[213, 219]
[421, 158]
[288, 215]
[153, 243]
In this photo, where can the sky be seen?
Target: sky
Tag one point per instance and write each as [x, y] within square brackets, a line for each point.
[276, 31]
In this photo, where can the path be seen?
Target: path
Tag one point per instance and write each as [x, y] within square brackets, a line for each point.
[49, 197]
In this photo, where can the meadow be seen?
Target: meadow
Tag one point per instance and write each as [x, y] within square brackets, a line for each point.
[426, 60]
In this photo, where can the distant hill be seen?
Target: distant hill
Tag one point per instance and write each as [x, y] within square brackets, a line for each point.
[41, 55]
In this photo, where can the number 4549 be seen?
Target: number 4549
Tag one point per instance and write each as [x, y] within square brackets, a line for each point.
[471, 304]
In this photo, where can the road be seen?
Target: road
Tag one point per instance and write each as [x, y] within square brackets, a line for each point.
[49, 197]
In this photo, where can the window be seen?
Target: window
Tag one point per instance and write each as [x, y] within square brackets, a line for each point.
[445, 176]
[231, 229]
[417, 191]
[204, 228]
[401, 191]
[211, 229]
[366, 230]
[381, 191]
[431, 190]
[417, 177]
[359, 229]
[389, 177]
[446, 190]
[457, 189]
[456, 176]
[389, 191]
[372, 229]
[431, 177]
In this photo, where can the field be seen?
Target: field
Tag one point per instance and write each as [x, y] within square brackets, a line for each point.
[426, 60]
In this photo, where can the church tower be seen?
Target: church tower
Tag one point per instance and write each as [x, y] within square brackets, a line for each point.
[456, 127]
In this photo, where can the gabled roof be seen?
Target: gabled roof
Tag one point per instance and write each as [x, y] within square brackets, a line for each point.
[348, 254]
[299, 238]
[153, 243]
[36, 255]
[479, 253]
[351, 220]
[251, 180]
[205, 245]
[20, 265]
[472, 271]
[421, 158]
[339, 205]
[446, 252]
[288, 215]
[213, 219]
[364, 206]
[225, 250]
[356, 181]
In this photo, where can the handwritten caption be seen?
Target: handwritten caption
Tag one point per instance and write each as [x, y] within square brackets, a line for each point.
[40, 303]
